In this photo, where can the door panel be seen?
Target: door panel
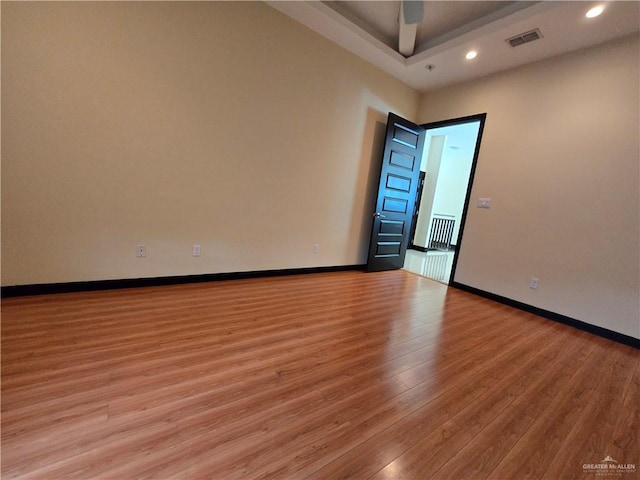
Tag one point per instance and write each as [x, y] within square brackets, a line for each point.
[416, 209]
[397, 189]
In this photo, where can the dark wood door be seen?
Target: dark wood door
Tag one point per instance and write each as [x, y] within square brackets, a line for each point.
[416, 209]
[399, 178]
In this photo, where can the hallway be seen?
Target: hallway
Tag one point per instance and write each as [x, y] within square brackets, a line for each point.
[434, 264]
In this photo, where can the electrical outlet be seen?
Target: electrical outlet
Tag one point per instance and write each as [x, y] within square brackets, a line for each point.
[534, 283]
[141, 250]
[196, 250]
[316, 248]
[484, 203]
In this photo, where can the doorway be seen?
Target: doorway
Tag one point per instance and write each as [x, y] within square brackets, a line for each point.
[447, 168]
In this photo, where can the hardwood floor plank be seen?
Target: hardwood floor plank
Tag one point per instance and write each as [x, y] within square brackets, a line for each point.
[560, 429]
[479, 458]
[415, 397]
[624, 443]
[405, 402]
[338, 375]
[582, 445]
[424, 440]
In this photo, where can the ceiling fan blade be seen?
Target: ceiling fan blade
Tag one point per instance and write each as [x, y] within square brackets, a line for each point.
[413, 11]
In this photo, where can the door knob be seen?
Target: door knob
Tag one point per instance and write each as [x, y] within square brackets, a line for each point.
[378, 215]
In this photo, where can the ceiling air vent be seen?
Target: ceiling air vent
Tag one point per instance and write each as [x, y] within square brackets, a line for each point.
[524, 38]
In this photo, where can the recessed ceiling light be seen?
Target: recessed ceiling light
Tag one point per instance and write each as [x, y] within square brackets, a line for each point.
[471, 55]
[595, 11]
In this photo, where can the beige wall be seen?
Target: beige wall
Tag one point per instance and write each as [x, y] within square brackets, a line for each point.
[170, 124]
[560, 159]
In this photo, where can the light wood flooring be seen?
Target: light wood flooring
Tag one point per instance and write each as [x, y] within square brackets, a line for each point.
[327, 376]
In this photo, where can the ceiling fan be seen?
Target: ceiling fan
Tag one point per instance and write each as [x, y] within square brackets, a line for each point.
[411, 14]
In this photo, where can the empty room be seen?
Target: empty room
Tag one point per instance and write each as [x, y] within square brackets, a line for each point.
[206, 212]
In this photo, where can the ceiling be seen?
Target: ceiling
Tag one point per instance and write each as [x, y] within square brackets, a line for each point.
[449, 29]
